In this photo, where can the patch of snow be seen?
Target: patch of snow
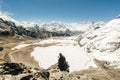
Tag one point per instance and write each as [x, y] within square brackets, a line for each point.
[57, 41]
[91, 63]
[20, 46]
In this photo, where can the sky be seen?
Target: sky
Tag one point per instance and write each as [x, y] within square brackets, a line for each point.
[61, 10]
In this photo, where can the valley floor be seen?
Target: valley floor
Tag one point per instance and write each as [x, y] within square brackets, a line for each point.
[44, 53]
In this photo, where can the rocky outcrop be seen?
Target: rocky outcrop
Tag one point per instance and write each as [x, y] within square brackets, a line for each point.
[18, 71]
[11, 68]
[6, 28]
[57, 74]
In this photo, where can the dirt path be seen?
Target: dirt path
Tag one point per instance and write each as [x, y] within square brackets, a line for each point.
[23, 55]
[19, 55]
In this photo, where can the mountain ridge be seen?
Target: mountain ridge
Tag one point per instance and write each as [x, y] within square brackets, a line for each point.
[56, 27]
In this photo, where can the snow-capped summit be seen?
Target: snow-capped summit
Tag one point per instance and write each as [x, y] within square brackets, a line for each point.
[114, 23]
[6, 17]
[118, 16]
[55, 26]
[30, 23]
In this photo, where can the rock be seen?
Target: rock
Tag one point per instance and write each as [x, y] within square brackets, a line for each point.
[29, 77]
[5, 33]
[1, 48]
[11, 68]
[18, 71]
[45, 74]
[42, 74]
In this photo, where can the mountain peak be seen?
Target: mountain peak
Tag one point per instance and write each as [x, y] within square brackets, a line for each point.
[5, 16]
[118, 16]
[114, 23]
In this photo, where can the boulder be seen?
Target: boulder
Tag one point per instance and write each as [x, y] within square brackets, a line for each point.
[11, 68]
[44, 74]
[28, 77]
[1, 48]
[5, 33]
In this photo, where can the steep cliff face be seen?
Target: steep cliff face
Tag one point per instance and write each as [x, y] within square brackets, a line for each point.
[8, 28]
[19, 71]
[5, 28]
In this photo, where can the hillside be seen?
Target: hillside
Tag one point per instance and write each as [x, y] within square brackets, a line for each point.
[104, 43]
[31, 52]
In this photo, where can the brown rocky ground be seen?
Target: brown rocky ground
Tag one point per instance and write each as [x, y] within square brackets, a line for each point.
[17, 55]
[22, 58]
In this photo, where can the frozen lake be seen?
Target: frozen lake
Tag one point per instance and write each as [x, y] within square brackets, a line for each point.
[75, 56]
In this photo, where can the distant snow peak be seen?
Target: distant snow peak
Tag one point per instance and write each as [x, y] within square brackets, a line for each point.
[29, 24]
[6, 16]
[118, 16]
[55, 26]
[114, 23]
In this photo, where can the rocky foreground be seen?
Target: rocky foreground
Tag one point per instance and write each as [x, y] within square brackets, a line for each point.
[19, 71]
[14, 65]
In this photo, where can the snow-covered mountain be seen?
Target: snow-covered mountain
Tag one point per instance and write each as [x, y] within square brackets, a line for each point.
[6, 17]
[56, 26]
[82, 26]
[104, 43]
[60, 27]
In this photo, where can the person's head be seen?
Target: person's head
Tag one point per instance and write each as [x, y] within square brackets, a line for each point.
[60, 54]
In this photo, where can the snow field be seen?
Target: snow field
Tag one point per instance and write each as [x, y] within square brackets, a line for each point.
[75, 56]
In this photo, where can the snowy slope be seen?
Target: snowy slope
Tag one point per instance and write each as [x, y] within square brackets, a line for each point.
[104, 43]
[85, 26]
[6, 17]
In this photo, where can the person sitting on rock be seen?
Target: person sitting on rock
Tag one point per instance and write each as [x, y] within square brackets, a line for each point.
[62, 63]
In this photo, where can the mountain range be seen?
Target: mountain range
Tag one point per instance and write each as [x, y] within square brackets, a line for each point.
[95, 45]
[42, 30]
